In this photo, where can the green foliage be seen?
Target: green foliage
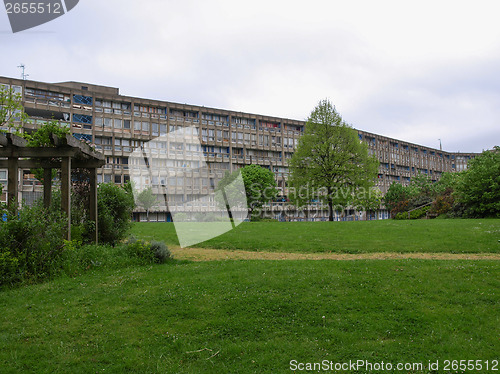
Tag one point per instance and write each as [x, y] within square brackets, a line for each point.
[140, 249]
[160, 251]
[146, 252]
[330, 161]
[395, 195]
[41, 137]
[421, 191]
[260, 187]
[115, 206]
[11, 109]
[31, 244]
[414, 214]
[448, 182]
[479, 188]
[443, 203]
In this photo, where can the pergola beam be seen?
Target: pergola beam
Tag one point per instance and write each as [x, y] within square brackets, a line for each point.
[33, 164]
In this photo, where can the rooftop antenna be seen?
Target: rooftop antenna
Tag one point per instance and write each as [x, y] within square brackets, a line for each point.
[440, 145]
[23, 75]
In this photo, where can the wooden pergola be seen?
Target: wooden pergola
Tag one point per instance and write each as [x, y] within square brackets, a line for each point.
[68, 153]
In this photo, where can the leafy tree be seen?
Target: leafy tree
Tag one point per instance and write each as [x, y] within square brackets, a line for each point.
[422, 185]
[445, 198]
[479, 188]
[146, 199]
[396, 194]
[260, 186]
[11, 109]
[448, 181]
[115, 206]
[330, 160]
[41, 138]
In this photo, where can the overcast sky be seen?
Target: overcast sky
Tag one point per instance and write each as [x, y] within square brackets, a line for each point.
[413, 70]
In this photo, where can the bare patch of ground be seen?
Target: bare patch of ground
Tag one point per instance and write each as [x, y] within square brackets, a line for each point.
[203, 254]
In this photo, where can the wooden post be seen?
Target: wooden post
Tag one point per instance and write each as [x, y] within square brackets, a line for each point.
[13, 183]
[66, 191]
[47, 187]
[93, 201]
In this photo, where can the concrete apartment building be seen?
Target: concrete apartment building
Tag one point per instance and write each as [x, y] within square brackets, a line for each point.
[229, 140]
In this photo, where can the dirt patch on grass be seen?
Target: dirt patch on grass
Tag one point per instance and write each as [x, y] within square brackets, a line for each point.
[203, 254]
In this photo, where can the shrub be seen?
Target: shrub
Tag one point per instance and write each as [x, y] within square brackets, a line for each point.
[161, 252]
[419, 213]
[414, 214]
[401, 215]
[140, 249]
[115, 206]
[147, 253]
[443, 203]
[31, 244]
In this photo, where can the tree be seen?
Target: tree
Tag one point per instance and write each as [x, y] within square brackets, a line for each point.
[479, 187]
[146, 199]
[11, 109]
[115, 206]
[330, 161]
[395, 195]
[260, 186]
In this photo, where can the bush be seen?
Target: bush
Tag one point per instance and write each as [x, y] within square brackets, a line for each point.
[443, 203]
[115, 205]
[147, 253]
[419, 213]
[401, 215]
[160, 251]
[31, 244]
[414, 214]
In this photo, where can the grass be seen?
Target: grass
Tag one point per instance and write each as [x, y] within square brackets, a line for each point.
[431, 236]
[252, 316]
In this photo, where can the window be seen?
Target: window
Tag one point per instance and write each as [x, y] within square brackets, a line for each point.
[126, 124]
[85, 137]
[118, 123]
[80, 99]
[154, 128]
[80, 118]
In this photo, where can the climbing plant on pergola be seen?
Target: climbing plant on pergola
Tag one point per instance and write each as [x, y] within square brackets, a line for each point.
[66, 154]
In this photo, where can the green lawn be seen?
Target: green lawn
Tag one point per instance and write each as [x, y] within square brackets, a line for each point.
[451, 236]
[252, 316]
